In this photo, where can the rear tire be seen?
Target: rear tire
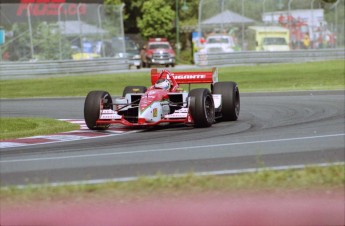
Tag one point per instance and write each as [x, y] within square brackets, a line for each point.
[230, 100]
[133, 89]
[202, 107]
[92, 108]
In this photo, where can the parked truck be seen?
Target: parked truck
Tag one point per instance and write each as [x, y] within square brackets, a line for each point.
[158, 51]
[268, 38]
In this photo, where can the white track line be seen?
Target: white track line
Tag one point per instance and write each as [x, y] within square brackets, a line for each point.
[172, 149]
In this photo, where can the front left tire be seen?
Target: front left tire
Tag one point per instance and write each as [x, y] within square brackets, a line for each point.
[202, 107]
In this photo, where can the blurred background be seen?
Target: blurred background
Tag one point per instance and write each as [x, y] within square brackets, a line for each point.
[41, 30]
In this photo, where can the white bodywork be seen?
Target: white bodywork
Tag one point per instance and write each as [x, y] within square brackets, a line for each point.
[157, 111]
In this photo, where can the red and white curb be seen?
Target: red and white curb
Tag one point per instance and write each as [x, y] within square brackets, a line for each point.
[82, 134]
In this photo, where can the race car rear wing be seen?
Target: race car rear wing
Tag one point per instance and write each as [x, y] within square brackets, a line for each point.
[191, 77]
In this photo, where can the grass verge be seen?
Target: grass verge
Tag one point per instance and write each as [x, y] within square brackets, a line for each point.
[330, 177]
[327, 75]
[24, 127]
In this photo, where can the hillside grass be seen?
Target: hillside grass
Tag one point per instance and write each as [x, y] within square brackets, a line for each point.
[329, 177]
[326, 75]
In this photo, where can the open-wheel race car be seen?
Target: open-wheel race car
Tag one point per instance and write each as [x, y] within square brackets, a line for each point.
[166, 102]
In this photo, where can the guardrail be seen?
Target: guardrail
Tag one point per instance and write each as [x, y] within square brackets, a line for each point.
[258, 57]
[108, 65]
[56, 67]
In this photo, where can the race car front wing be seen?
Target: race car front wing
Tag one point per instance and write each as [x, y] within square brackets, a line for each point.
[109, 116]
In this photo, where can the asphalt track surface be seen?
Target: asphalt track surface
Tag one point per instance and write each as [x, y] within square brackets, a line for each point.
[273, 130]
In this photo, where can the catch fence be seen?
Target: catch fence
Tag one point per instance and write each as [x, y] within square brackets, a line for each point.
[65, 31]
[269, 25]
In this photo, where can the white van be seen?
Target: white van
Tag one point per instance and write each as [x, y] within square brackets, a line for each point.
[218, 44]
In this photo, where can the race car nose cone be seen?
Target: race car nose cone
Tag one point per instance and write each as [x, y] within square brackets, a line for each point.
[141, 120]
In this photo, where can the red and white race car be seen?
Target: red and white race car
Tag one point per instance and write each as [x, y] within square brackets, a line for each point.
[166, 102]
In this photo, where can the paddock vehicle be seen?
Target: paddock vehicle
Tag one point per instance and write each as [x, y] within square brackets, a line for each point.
[158, 51]
[141, 106]
[218, 43]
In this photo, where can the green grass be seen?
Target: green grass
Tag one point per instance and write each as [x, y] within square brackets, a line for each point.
[25, 127]
[327, 75]
[330, 177]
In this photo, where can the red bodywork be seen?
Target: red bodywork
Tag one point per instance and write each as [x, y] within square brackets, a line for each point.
[152, 94]
[188, 77]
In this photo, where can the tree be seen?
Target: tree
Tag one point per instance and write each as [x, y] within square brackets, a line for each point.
[132, 10]
[157, 20]
[189, 17]
[112, 2]
[47, 40]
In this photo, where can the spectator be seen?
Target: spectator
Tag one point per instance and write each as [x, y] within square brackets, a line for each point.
[306, 41]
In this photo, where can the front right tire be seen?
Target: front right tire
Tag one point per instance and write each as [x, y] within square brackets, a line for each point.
[92, 107]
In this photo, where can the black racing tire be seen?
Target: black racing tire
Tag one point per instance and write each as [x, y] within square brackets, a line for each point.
[230, 100]
[133, 89]
[92, 108]
[202, 107]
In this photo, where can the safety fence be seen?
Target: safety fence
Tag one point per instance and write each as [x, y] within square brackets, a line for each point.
[273, 25]
[258, 57]
[48, 30]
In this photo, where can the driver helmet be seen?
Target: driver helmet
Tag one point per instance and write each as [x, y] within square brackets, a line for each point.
[162, 84]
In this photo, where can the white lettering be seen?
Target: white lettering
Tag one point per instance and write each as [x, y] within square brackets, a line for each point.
[189, 76]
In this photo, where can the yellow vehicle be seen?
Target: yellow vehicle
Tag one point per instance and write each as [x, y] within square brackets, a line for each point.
[268, 38]
[92, 50]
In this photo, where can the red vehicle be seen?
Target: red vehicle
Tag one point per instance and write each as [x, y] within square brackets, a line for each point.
[158, 51]
[165, 102]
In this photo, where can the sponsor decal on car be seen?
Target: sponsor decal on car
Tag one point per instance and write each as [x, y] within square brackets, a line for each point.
[155, 112]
